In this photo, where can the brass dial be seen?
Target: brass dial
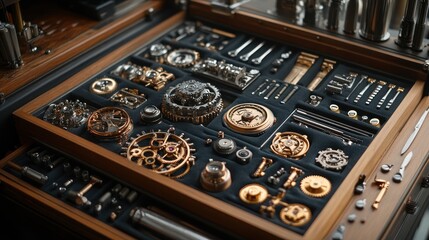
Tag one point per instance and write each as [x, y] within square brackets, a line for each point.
[183, 58]
[295, 214]
[315, 186]
[290, 145]
[249, 118]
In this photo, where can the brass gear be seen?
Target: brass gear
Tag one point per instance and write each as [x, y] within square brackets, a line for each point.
[290, 145]
[295, 214]
[162, 152]
[315, 186]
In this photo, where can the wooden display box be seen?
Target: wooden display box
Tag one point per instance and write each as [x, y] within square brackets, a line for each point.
[240, 219]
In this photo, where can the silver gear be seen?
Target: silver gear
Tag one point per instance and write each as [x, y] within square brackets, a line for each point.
[332, 159]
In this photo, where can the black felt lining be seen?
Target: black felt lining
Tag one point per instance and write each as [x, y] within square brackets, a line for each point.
[241, 174]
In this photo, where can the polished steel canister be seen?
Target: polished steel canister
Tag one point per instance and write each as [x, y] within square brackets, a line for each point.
[375, 20]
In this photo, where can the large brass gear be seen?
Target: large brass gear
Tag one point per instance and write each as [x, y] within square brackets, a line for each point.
[315, 186]
[290, 145]
[249, 118]
[295, 214]
[162, 152]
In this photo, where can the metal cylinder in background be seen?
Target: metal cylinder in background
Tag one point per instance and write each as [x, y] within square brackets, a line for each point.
[405, 35]
[352, 12]
[375, 20]
[419, 30]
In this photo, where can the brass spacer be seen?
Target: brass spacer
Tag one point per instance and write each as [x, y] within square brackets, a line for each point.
[253, 193]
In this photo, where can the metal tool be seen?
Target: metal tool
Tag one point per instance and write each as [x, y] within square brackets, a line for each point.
[261, 86]
[391, 101]
[419, 30]
[383, 185]
[406, 29]
[291, 180]
[266, 88]
[375, 92]
[326, 67]
[281, 91]
[397, 178]
[259, 59]
[303, 63]
[310, 12]
[265, 163]
[272, 91]
[380, 103]
[416, 130]
[292, 92]
[364, 77]
[235, 52]
[361, 93]
[162, 225]
[29, 173]
[352, 13]
[246, 56]
[78, 197]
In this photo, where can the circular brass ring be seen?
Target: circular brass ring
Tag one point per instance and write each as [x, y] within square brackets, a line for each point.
[290, 145]
[315, 186]
[253, 193]
[103, 86]
[295, 214]
[249, 118]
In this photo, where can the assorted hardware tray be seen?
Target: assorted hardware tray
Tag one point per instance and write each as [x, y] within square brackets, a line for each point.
[288, 152]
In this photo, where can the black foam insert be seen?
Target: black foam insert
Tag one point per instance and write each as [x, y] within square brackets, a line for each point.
[259, 144]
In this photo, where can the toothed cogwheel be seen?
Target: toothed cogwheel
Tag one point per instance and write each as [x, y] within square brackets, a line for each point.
[332, 159]
[290, 145]
[162, 152]
[192, 101]
[315, 186]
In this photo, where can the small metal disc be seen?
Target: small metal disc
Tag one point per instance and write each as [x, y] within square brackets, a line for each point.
[244, 156]
[103, 86]
[224, 146]
[385, 168]
[253, 193]
[150, 114]
[360, 204]
[295, 214]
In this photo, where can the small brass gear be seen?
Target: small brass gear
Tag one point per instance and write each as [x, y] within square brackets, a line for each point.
[295, 214]
[249, 118]
[290, 145]
[315, 186]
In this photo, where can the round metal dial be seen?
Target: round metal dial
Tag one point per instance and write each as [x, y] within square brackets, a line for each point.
[110, 123]
[103, 86]
[183, 58]
[215, 177]
[332, 159]
[295, 214]
[315, 186]
[290, 145]
[192, 101]
[162, 152]
[249, 118]
[158, 51]
[253, 193]
[67, 114]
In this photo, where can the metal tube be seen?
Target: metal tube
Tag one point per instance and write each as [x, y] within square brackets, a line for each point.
[334, 15]
[419, 30]
[375, 20]
[350, 23]
[162, 225]
[7, 42]
[15, 43]
[407, 25]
